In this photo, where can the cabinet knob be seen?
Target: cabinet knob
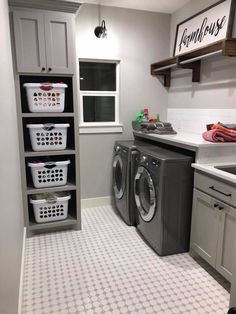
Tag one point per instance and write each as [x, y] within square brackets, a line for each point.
[49, 69]
[43, 69]
[221, 207]
[216, 205]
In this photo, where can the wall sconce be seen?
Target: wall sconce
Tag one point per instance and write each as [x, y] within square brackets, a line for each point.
[101, 31]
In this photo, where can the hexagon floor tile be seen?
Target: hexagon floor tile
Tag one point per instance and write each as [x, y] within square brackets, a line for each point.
[108, 268]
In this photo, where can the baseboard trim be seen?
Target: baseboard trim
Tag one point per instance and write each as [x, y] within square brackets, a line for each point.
[97, 201]
[22, 272]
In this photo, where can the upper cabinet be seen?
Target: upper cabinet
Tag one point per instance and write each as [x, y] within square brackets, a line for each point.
[44, 42]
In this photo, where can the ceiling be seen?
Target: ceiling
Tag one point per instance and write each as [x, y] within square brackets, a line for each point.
[164, 6]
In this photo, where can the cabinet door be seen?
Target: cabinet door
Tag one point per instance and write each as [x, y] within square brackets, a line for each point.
[29, 41]
[205, 224]
[60, 45]
[233, 279]
[226, 239]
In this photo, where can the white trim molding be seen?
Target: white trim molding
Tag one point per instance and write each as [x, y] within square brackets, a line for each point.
[115, 128]
[98, 201]
[105, 126]
[22, 271]
[71, 6]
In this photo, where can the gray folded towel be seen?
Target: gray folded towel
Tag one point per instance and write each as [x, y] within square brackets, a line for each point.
[163, 132]
[157, 128]
[163, 124]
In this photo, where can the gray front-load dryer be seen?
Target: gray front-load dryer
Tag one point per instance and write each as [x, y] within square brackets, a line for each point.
[163, 198]
[122, 180]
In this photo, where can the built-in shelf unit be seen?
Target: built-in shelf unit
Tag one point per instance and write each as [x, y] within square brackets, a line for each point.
[58, 66]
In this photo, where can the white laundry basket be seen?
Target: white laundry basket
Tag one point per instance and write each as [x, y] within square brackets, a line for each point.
[50, 207]
[48, 136]
[46, 97]
[46, 174]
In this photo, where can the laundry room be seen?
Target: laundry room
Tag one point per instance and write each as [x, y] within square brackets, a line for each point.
[118, 190]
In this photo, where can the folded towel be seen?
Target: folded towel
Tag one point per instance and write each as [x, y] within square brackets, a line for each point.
[228, 126]
[163, 124]
[222, 129]
[216, 135]
[169, 128]
[157, 127]
[163, 132]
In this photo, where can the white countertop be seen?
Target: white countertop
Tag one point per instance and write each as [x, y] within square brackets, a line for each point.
[189, 139]
[210, 169]
[208, 154]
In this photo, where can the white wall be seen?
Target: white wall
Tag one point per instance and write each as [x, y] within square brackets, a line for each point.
[136, 38]
[218, 76]
[11, 218]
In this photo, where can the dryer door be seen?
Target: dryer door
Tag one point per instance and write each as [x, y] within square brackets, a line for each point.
[119, 176]
[145, 194]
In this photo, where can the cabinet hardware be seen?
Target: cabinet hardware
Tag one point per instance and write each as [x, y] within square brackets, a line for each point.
[214, 189]
[221, 207]
[43, 69]
[216, 205]
[49, 69]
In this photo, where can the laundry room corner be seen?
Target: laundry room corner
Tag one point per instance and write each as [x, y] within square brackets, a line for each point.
[12, 235]
[137, 87]
[117, 157]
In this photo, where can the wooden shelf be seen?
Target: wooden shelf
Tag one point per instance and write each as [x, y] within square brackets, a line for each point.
[49, 153]
[47, 114]
[192, 60]
[67, 187]
[70, 221]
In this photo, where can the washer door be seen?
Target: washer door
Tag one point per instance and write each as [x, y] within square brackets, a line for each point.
[119, 175]
[145, 195]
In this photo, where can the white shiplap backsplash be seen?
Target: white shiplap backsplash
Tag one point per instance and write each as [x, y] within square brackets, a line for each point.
[195, 120]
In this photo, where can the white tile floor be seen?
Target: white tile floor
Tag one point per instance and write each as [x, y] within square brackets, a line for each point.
[107, 268]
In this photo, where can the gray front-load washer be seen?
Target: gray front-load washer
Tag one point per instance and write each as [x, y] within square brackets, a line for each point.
[163, 198]
[122, 180]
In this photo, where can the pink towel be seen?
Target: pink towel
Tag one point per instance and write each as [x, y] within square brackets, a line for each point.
[218, 136]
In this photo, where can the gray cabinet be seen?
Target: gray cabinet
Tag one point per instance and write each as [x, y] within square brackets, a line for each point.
[226, 238]
[29, 41]
[213, 228]
[44, 42]
[204, 231]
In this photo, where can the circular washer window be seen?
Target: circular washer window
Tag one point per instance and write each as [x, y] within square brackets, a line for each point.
[119, 175]
[145, 195]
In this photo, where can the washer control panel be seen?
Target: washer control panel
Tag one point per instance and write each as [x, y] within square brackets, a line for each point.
[155, 162]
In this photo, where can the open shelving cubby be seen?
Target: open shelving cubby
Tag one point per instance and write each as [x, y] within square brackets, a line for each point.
[49, 226]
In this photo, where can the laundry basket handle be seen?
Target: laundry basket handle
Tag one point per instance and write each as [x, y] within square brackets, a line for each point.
[51, 199]
[48, 126]
[46, 86]
[50, 165]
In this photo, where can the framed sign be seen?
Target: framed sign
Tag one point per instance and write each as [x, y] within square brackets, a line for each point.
[204, 28]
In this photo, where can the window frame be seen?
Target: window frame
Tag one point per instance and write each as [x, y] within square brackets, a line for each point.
[101, 127]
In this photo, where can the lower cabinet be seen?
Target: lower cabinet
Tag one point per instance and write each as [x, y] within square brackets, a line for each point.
[226, 240]
[213, 232]
[204, 232]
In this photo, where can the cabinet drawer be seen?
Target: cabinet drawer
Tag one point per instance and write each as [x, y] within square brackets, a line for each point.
[216, 188]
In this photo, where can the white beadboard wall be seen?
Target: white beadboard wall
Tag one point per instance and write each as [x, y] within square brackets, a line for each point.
[195, 120]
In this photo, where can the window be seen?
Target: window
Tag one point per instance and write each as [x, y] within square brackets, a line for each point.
[99, 96]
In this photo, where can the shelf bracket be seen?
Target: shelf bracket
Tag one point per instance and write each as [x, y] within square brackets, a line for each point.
[166, 74]
[195, 67]
[229, 47]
